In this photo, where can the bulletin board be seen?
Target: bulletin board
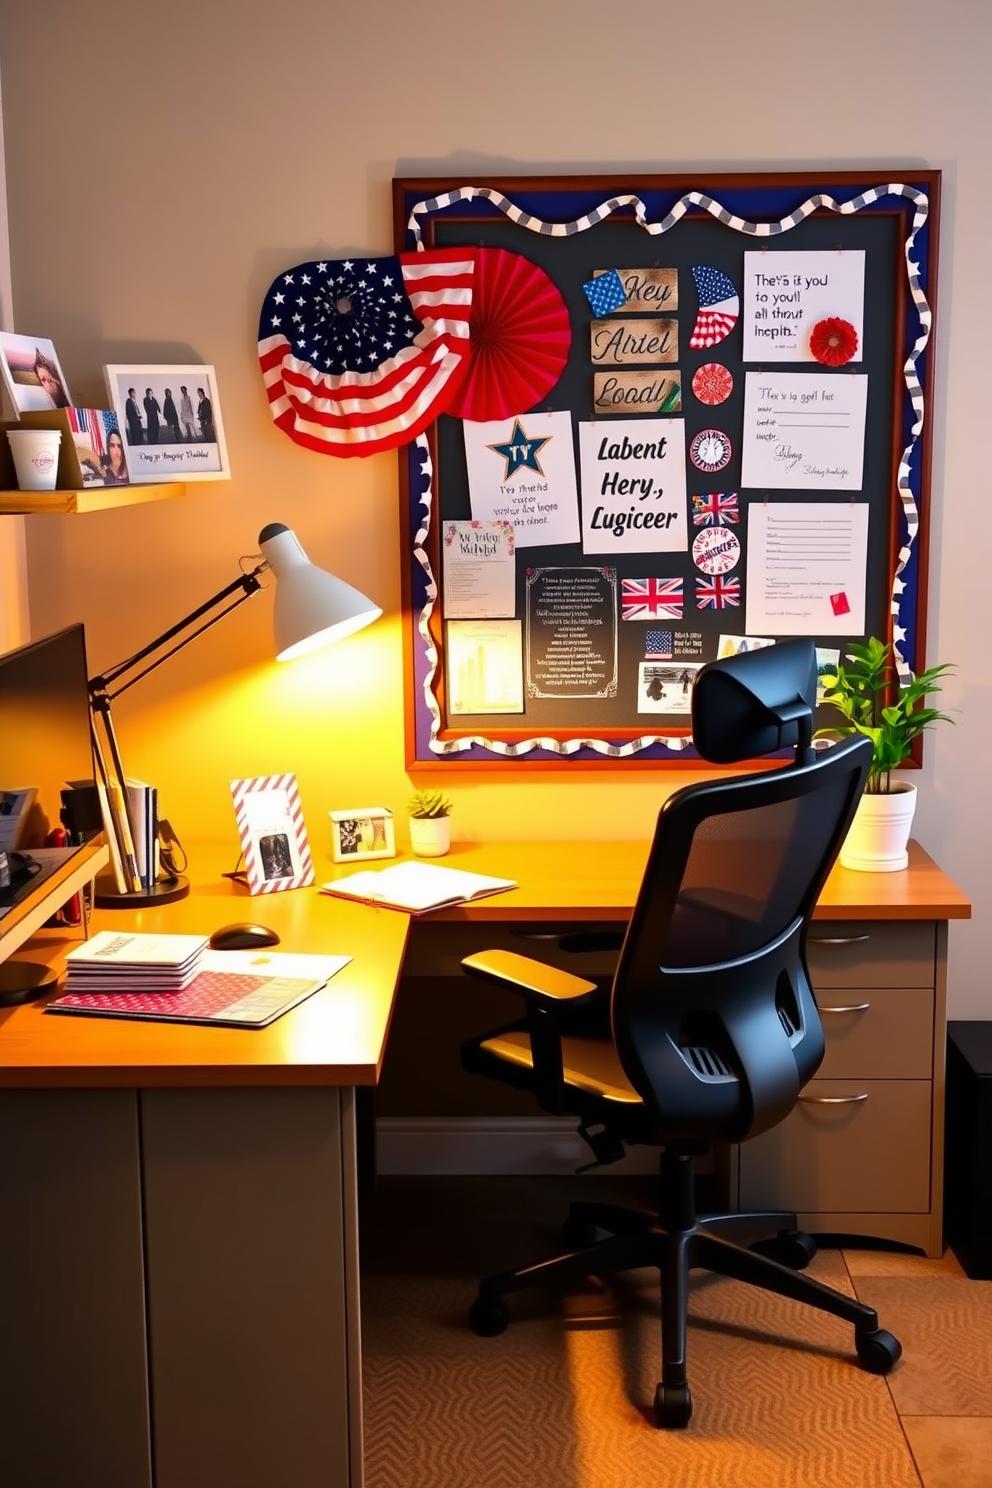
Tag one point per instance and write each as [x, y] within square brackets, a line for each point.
[695, 420]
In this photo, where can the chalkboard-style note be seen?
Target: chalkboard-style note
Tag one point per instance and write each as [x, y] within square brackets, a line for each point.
[761, 342]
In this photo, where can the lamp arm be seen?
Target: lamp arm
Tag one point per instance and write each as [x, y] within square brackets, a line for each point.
[100, 687]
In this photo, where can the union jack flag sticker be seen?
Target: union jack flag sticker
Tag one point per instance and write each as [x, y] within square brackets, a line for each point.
[719, 510]
[650, 599]
[718, 593]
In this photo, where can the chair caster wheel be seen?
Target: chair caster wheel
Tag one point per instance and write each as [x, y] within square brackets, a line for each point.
[578, 1234]
[792, 1248]
[488, 1317]
[672, 1406]
[877, 1350]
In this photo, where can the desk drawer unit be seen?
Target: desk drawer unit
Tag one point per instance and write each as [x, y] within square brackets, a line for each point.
[861, 1153]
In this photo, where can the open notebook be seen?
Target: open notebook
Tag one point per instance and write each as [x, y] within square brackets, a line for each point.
[417, 887]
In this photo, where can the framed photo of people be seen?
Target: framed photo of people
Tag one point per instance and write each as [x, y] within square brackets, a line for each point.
[273, 836]
[694, 409]
[171, 422]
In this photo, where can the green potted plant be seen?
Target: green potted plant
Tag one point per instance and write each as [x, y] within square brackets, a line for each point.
[866, 692]
[430, 829]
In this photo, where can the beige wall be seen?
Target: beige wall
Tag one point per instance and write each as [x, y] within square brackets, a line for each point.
[166, 162]
[13, 557]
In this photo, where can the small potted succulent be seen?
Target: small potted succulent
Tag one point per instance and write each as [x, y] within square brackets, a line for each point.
[430, 829]
[865, 691]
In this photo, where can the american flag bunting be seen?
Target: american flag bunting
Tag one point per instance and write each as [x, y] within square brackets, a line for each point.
[360, 355]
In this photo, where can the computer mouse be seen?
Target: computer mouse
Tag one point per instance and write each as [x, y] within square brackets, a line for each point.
[242, 937]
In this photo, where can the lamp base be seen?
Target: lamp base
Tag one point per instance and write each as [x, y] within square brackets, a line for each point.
[23, 981]
[106, 895]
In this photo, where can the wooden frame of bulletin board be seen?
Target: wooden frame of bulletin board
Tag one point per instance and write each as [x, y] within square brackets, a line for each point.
[736, 300]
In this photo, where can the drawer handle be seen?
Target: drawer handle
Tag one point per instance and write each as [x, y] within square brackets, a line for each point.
[838, 939]
[852, 1007]
[833, 1100]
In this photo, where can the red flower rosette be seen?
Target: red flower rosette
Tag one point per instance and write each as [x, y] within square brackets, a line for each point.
[833, 342]
[519, 338]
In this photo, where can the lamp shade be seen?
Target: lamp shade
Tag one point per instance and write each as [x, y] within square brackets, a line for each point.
[312, 607]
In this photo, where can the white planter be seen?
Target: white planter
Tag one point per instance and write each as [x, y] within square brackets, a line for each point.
[876, 842]
[430, 836]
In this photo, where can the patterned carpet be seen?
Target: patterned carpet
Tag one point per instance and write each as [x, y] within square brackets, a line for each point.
[563, 1398]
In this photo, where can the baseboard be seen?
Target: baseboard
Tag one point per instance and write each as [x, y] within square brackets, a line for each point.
[422, 1146]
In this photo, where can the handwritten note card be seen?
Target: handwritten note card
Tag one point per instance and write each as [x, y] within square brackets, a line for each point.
[478, 569]
[785, 294]
[806, 564]
[522, 470]
[804, 430]
[633, 486]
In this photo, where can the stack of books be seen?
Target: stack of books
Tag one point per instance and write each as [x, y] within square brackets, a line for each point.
[111, 961]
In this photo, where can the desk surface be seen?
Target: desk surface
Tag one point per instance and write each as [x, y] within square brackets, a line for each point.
[576, 881]
[338, 1036]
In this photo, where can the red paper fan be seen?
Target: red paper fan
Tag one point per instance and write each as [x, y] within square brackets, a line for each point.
[519, 338]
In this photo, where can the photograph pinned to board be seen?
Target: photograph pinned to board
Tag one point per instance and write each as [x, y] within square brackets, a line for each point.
[666, 687]
[32, 373]
[273, 836]
[171, 421]
[359, 832]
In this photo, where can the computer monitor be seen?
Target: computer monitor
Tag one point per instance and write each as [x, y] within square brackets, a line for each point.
[45, 741]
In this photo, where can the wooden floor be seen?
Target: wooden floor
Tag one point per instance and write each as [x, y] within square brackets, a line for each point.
[562, 1399]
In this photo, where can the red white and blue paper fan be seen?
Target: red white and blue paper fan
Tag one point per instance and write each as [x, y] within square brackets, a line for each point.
[719, 306]
[360, 355]
[519, 334]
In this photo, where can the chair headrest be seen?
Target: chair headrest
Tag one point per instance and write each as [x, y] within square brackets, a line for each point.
[756, 703]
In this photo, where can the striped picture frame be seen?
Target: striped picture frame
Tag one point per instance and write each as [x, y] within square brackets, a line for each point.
[272, 832]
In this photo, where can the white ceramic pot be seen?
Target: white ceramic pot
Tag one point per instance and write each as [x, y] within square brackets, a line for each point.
[876, 842]
[430, 836]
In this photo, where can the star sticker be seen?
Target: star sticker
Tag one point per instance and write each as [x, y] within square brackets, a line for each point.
[278, 298]
[520, 452]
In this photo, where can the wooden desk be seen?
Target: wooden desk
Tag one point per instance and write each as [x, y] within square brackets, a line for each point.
[178, 1223]
[178, 1229]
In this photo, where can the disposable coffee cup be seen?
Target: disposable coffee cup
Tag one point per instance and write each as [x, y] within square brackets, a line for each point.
[36, 457]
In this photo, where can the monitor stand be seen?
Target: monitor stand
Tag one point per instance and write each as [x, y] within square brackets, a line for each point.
[23, 981]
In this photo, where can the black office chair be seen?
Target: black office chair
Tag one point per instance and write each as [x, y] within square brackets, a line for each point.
[712, 1028]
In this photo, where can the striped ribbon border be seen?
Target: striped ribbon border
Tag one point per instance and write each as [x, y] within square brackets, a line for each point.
[685, 203]
[261, 785]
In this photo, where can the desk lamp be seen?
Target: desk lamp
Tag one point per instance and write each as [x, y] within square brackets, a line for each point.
[312, 609]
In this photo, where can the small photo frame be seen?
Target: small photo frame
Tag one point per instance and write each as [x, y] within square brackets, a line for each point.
[362, 832]
[273, 836]
[170, 419]
[32, 373]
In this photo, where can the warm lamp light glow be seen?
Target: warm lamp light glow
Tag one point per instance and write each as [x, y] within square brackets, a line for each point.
[312, 608]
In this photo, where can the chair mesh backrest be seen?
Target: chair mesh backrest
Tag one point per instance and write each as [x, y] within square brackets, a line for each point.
[712, 973]
[747, 875]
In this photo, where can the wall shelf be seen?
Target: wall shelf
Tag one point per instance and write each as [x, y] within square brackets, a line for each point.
[94, 498]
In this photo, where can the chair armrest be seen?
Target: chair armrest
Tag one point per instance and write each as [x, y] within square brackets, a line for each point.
[534, 980]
